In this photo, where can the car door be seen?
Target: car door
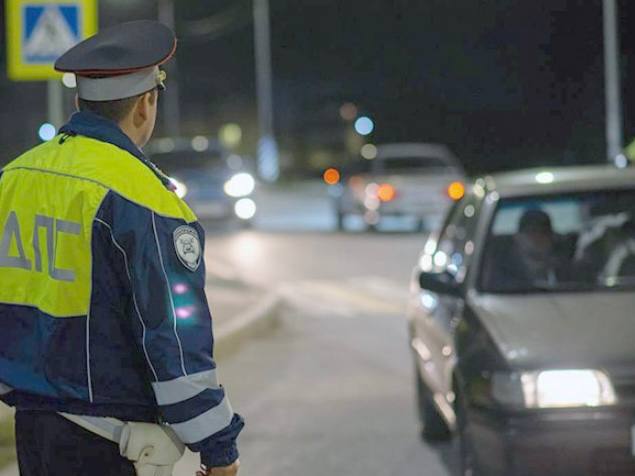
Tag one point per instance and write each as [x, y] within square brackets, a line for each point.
[436, 326]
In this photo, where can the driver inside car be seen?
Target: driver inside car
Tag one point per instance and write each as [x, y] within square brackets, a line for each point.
[535, 247]
[526, 259]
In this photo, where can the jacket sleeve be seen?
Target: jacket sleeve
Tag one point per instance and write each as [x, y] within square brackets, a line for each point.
[173, 326]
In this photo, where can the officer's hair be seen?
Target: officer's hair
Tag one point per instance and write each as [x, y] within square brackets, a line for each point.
[116, 110]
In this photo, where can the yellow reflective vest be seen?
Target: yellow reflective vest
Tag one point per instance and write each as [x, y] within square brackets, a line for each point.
[102, 301]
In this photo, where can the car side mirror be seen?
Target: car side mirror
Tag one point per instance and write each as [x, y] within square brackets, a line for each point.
[439, 283]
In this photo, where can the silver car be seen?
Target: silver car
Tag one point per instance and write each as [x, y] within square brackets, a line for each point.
[409, 179]
[522, 324]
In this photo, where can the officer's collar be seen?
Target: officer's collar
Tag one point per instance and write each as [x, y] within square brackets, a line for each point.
[89, 124]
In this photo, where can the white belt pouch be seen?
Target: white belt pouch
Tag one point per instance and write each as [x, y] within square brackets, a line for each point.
[153, 449]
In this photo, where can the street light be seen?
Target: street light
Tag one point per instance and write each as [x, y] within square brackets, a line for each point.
[364, 125]
[268, 162]
[47, 131]
[614, 138]
[369, 151]
[170, 102]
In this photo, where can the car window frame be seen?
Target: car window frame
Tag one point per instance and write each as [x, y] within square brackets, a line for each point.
[490, 207]
[459, 206]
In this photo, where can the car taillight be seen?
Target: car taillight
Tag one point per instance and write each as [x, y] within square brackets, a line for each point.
[456, 191]
[331, 176]
[386, 192]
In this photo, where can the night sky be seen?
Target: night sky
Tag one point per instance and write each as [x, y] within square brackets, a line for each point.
[506, 84]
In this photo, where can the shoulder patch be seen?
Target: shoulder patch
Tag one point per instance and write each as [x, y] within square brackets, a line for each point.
[188, 247]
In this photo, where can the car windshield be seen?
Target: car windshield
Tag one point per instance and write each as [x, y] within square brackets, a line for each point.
[574, 242]
[405, 164]
[188, 162]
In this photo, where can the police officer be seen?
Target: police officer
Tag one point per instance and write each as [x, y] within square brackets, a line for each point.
[106, 342]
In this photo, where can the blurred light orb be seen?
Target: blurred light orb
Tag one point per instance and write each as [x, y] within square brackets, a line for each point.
[69, 80]
[240, 185]
[179, 187]
[331, 176]
[372, 203]
[369, 151]
[621, 162]
[456, 191]
[47, 131]
[364, 125]
[165, 145]
[245, 208]
[372, 189]
[348, 111]
[440, 259]
[544, 177]
[184, 312]
[426, 263]
[180, 288]
[230, 135]
[386, 192]
[235, 162]
[200, 143]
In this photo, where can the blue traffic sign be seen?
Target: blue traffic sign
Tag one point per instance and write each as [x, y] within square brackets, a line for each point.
[40, 31]
[49, 29]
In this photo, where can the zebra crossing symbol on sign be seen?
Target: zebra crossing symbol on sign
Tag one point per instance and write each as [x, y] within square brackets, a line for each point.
[40, 31]
[49, 31]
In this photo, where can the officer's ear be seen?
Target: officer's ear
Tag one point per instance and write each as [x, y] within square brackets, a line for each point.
[142, 109]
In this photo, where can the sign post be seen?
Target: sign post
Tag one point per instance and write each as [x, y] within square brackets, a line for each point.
[614, 138]
[268, 160]
[39, 32]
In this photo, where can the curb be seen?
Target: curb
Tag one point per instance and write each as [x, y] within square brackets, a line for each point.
[262, 316]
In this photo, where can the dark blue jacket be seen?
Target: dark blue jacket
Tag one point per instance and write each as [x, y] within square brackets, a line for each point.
[102, 299]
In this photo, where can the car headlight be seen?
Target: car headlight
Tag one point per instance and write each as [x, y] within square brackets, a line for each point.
[245, 208]
[553, 389]
[240, 185]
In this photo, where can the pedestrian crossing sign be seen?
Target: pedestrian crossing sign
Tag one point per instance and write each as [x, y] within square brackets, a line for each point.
[40, 31]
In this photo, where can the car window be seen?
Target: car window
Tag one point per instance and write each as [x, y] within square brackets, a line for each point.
[396, 164]
[455, 245]
[569, 242]
[568, 213]
[177, 162]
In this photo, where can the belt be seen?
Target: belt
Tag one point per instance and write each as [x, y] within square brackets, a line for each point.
[109, 428]
[154, 449]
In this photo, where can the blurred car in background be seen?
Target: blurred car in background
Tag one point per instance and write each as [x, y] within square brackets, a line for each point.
[409, 179]
[217, 185]
[522, 328]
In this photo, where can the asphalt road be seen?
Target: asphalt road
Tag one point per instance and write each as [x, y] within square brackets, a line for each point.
[270, 258]
[330, 391]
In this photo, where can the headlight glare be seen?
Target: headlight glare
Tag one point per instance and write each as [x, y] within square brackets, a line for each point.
[245, 208]
[240, 185]
[554, 389]
[179, 187]
[568, 388]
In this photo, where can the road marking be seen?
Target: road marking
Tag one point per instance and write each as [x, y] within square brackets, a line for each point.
[221, 268]
[350, 298]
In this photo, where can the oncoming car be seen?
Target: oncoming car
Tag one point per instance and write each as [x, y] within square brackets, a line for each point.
[522, 324]
[216, 184]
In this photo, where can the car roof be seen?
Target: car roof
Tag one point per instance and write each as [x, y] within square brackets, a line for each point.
[550, 180]
[417, 149]
[413, 149]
